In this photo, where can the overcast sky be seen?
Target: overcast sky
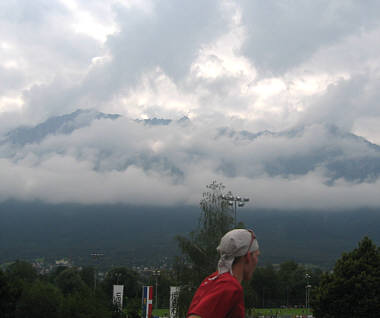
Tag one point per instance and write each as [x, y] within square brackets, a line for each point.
[242, 65]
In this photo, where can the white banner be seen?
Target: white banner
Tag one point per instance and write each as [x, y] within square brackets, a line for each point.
[174, 293]
[118, 296]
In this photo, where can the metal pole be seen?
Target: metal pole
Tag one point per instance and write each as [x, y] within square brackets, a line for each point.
[96, 257]
[156, 293]
[307, 277]
[156, 273]
[94, 279]
[235, 213]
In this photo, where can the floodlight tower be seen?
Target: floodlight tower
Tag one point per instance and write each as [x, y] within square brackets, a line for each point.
[96, 256]
[156, 274]
[307, 287]
[235, 201]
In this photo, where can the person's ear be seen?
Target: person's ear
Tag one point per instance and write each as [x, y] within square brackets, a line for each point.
[246, 258]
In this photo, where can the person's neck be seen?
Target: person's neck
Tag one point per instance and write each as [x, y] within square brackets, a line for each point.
[237, 271]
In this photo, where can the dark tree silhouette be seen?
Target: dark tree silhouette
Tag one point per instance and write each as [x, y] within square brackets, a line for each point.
[353, 288]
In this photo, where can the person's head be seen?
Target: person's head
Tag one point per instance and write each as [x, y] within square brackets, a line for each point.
[239, 248]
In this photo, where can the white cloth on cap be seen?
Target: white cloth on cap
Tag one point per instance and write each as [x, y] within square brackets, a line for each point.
[233, 244]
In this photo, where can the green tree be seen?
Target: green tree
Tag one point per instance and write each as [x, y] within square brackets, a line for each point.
[88, 276]
[85, 305]
[19, 276]
[8, 298]
[23, 271]
[41, 300]
[134, 307]
[353, 288]
[70, 282]
[265, 284]
[199, 256]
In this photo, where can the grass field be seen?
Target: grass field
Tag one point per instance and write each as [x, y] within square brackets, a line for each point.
[255, 312]
[161, 312]
[282, 312]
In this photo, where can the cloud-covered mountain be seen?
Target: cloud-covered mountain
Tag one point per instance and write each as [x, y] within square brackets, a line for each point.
[89, 156]
[335, 155]
[64, 124]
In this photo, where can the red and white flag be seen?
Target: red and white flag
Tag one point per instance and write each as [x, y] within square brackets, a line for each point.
[147, 301]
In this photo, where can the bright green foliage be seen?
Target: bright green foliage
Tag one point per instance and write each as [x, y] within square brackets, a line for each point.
[353, 288]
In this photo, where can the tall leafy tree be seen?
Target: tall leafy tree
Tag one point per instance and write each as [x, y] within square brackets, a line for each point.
[23, 271]
[199, 256]
[88, 276]
[8, 297]
[70, 282]
[41, 300]
[19, 276]
[353, 288]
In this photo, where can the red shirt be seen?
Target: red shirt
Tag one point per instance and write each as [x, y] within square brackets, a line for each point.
[218, 296]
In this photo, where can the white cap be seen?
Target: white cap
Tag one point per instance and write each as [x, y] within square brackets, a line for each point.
[233, 244]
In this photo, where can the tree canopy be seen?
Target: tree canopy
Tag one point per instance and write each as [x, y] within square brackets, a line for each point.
[199, 256]
[352, 289]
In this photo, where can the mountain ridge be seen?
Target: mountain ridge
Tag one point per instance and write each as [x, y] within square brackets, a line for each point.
[170, 149]
[137, 235]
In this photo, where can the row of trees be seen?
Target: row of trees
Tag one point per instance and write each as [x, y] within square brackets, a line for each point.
[66, 292]
[272, 287]
[70, 291]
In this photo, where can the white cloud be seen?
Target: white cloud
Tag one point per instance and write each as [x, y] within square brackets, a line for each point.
[86, 20]
[251, 65]
[129, 162]
[10, 104]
